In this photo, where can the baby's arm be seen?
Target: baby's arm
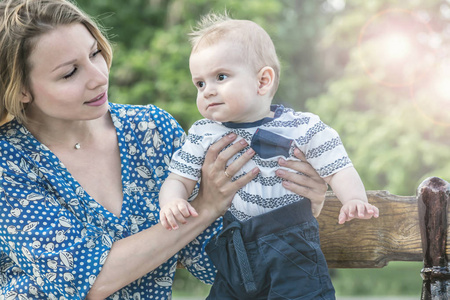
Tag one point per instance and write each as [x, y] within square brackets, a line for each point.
[349, 189]
[173, 201]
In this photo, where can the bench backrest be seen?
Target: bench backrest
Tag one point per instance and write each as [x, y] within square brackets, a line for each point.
[410, 228]
[395, 235]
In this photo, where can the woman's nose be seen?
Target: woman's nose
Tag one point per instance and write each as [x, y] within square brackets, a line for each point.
[98, 76]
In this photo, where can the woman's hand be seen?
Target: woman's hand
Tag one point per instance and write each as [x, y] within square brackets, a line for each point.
[310, 185]
[216, 187]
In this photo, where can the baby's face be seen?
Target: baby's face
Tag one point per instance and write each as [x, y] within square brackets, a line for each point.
[227, 86]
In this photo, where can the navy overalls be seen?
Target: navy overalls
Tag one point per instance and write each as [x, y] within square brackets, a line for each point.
[275, 255]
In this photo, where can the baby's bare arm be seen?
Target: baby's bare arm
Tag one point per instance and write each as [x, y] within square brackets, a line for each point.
[349, 189]
[173, 201]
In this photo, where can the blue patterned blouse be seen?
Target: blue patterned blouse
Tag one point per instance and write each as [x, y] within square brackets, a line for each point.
[54, 237]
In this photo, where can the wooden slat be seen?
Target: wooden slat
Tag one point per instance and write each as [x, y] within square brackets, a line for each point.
[394, 236]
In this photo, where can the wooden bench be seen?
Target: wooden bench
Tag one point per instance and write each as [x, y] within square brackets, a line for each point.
[410, 228]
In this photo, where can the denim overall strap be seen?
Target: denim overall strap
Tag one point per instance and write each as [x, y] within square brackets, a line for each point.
[242, 258]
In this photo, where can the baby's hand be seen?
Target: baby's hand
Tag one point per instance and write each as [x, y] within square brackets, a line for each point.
[176, 210]
[357, 209]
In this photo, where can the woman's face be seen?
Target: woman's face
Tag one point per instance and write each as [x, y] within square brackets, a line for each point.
[68, 77]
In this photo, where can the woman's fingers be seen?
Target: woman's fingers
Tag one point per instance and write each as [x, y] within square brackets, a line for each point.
[218, 185]
[214, 150]
[237, 165]
[303, 180]
[301, 166]
[228, 153]
[217, 157]
[313, 188]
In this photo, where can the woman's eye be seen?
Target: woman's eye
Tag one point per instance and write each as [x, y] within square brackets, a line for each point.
[70, 74]
[221, 77]
[96, 52]
[200, 84]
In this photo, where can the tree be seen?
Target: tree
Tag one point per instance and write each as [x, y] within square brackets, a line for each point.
[380, 101]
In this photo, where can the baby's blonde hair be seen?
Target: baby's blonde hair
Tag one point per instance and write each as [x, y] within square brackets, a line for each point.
[259, 49]
[22, 22]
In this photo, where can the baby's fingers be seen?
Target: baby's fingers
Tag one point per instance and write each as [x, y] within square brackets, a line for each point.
[370, 211]
[342, 217]
[345, 215]
[164, 222]
[182, 211]
[376, 211]
[192, 211]
[361, 210]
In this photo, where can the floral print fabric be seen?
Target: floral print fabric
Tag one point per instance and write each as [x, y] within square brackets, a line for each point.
[54, 237]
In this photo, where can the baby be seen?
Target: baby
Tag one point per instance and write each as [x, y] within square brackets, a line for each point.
[235, 68]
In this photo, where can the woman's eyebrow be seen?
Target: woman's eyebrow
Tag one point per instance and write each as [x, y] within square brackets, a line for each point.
[73, 60]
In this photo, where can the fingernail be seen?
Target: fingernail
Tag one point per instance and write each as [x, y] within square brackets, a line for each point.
[243, 142]
[281, 172]
[250, 151]
[286, 183]
[231, 135]
[281, 161]
[255, 171]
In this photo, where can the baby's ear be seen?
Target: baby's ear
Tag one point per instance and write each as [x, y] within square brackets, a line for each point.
[266, 77]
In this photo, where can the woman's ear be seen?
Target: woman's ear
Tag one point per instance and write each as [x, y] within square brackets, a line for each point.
[266, 77]
[26, 97]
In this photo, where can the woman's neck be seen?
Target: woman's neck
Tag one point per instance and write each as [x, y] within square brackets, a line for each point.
[72, 135]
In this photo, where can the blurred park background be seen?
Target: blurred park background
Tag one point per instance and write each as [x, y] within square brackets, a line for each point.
[378, 71]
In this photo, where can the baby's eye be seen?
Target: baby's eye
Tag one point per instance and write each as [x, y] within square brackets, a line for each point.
[200, 84]
[221, 77]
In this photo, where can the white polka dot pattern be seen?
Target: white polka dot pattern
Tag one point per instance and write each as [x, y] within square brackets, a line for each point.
[54, 237]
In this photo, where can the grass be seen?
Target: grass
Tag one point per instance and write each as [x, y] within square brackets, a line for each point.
[396, 279]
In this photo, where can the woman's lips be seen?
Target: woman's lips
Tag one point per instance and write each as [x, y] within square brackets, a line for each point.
[99, 100]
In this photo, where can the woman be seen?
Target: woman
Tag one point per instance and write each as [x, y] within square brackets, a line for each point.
[80, 176]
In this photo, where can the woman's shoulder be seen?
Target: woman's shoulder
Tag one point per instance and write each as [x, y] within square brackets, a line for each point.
[16, 149]
[13, 135]
[141, 113]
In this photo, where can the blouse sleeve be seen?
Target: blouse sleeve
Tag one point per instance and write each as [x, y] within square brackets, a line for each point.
[51, 249]
[194, 256]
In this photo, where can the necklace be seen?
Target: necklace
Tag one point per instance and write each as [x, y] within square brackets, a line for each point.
[52, 142]
[77, 145]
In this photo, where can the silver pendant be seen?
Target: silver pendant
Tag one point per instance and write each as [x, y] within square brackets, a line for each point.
[77, 146]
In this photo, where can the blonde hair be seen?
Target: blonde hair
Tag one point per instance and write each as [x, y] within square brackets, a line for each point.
[259, 49]
[21, 24]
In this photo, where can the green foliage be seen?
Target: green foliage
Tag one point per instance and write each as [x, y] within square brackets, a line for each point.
[396, 279]
[394, 143]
